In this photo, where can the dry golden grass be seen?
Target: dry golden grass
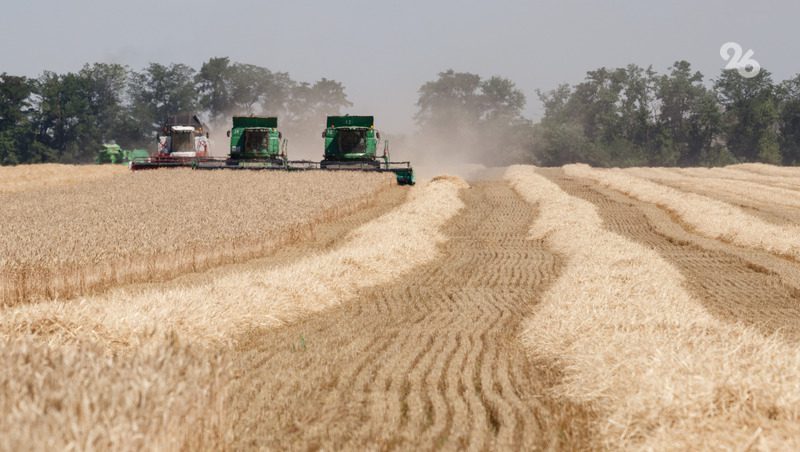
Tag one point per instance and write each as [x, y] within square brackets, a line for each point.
[152, 225]
[136, 387]
[737, 173]
[28, 177]
[712, 218]
[80, 396]
[769, 170]
[732, 182]
[664, 373]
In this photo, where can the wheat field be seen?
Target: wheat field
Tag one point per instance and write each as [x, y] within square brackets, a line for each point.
[527, 308]
[57, 243]
[31, 177]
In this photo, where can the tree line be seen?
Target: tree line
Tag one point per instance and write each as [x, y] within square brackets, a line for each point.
[622, 117]
[635, 116]
[67, 117]
[615, 117]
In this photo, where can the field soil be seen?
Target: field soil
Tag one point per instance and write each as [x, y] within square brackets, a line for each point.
[431, 360]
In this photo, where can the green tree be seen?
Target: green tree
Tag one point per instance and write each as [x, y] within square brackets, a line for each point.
[106, 94]
[636, 110]
[450, 102]
[480, 118]
[16, 131]
[560, 136]
[688, 116]
[311, 103]
[214, 86]
[67, 129]
[506, 136]
[76, 112]
[253, 86]
[234, 88]
[160, 92]
[596, 105]
[605, 120]
[632, 116]
[500, 100]
[789, 120]
[277, 93]
[750, 116]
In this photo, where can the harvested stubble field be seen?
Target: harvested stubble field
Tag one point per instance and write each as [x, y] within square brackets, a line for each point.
[566, 308]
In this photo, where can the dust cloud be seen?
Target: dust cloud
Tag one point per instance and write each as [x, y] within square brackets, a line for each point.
[457, 153]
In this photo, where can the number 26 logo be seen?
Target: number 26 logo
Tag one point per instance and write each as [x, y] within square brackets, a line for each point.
[739, 60]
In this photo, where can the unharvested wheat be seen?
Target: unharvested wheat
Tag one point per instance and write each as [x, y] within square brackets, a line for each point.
[150, 226]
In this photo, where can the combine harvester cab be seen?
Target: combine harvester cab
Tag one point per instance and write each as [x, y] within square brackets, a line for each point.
[351, 144]
[256, 143]
[183, 140]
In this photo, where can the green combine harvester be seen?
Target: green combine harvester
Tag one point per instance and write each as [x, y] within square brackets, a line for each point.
[256, 143]
[113, 154]
[351, 144]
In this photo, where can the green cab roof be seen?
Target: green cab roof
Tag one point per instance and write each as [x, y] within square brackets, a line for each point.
[350, 121]
[255, 121]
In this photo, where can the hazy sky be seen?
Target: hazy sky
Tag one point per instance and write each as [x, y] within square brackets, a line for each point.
[383, 51]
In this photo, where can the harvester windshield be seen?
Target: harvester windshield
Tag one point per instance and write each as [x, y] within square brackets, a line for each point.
[256, 140]
[182, 141]
[352, 141]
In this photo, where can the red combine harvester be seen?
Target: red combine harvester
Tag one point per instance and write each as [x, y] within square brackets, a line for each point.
[182, 140]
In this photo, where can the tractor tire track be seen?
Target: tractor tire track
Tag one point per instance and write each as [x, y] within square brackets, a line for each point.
[430, 361]
[734, 284]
